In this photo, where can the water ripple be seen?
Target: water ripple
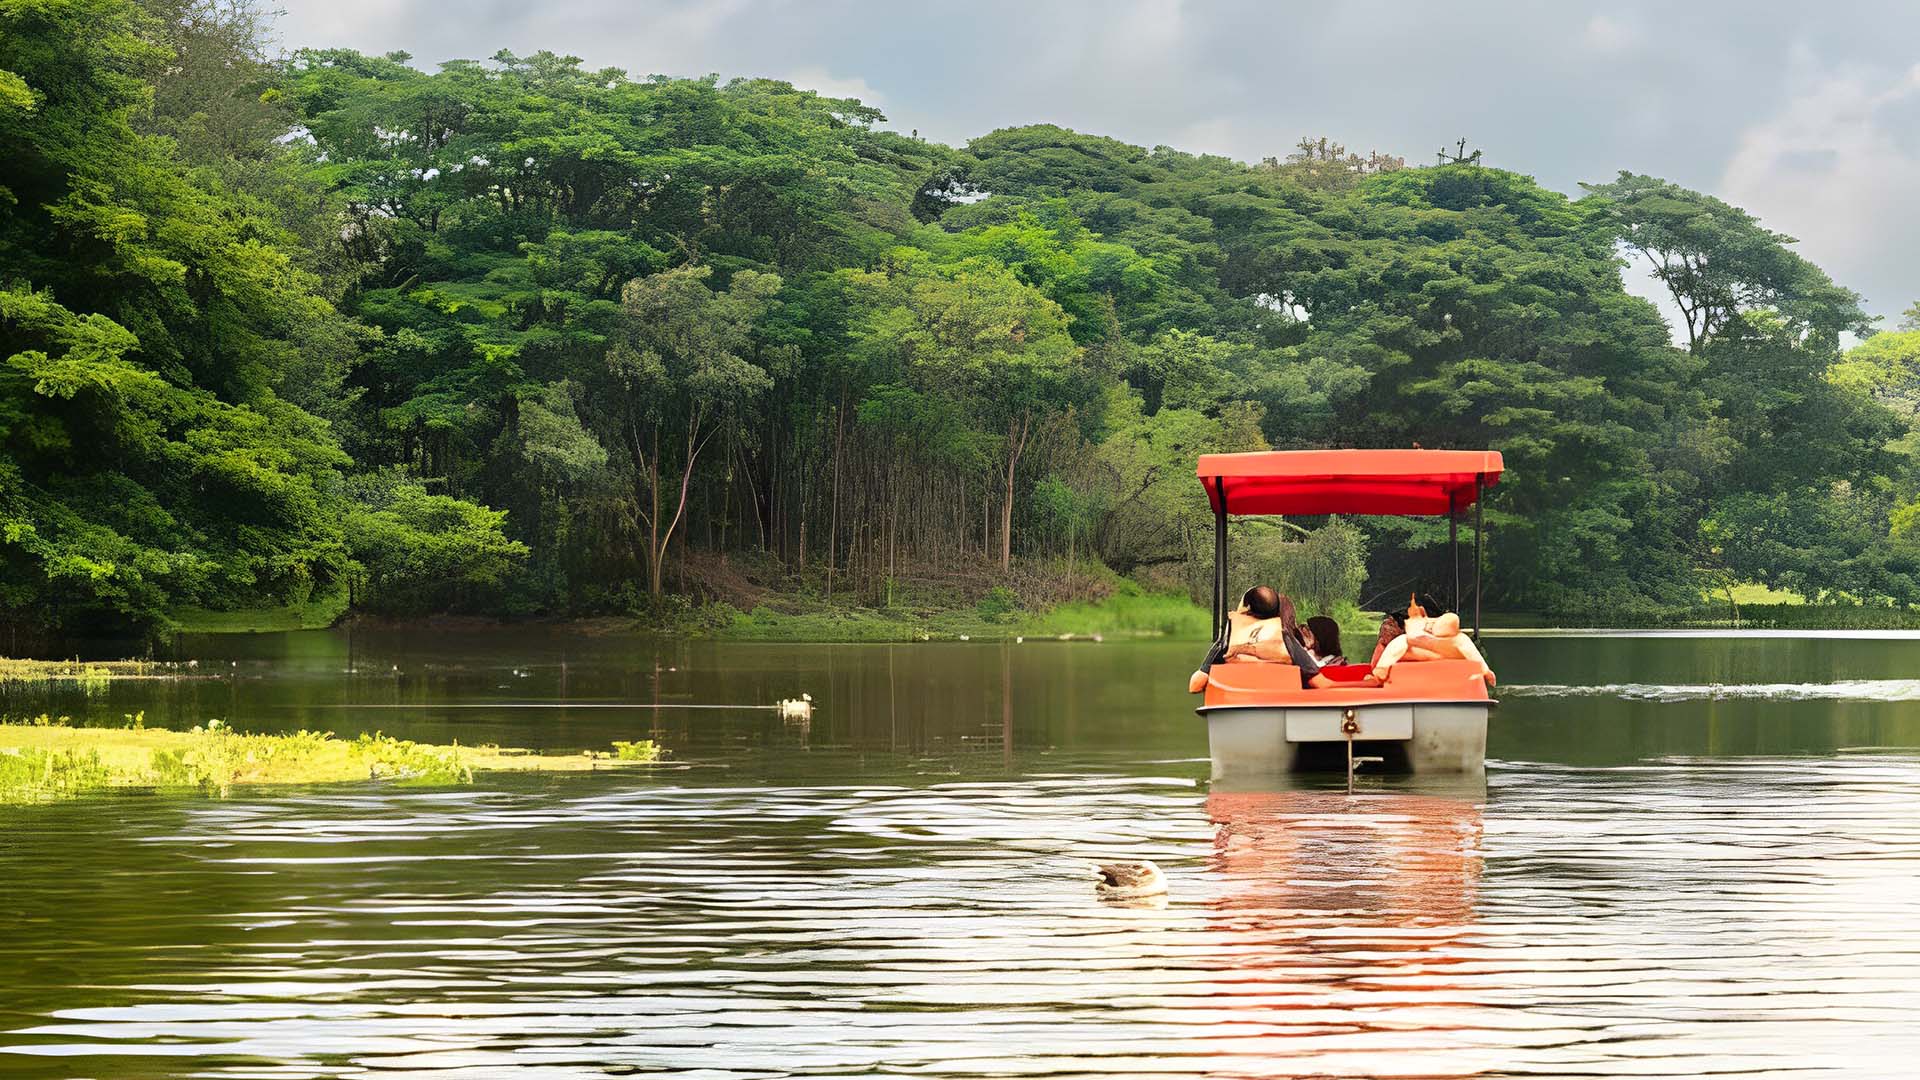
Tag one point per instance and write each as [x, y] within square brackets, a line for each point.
[1682, 917]
[1845, 690]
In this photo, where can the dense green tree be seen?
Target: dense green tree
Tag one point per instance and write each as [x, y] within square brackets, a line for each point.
[145, 321]
[973, 333]
[160, 326]
[1885, 366]
[678, 376]
[503, 207]
[516, 335]
[1717, 262]
[414, 551]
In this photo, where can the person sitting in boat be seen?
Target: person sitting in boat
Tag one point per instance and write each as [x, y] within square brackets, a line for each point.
[1257, 616]
[1264, 627]
[1392, 625]
[1323, 640]
[1424, 637]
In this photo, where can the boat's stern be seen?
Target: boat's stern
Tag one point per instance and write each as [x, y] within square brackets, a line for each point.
[1431, 717]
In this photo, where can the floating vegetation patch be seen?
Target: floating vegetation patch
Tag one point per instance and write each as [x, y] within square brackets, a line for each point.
[93, 676]
[43, 759]
[644, 750]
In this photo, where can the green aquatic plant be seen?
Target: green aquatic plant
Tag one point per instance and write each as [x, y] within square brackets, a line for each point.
[389, 758]
[43, 775]
[91, 677]
[639, 750]
[44, 759]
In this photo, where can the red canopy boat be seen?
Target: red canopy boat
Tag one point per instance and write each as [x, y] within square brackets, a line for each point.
[1431, 716]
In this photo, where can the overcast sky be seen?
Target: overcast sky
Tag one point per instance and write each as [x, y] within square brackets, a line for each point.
[1808, 116]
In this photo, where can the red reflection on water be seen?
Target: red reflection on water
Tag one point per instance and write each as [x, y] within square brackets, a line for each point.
[1377, 859]
[1344, 917]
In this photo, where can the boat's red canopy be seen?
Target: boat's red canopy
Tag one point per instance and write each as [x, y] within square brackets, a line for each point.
[1301, 482]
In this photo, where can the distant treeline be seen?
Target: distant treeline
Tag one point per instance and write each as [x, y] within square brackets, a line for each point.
[522, 337]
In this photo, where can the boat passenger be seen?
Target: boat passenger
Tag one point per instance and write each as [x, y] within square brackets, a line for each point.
[1391, 627]
[1257, 616]
[1427, 638]
[1288, 646]
[1323, 640]
[1394, 624]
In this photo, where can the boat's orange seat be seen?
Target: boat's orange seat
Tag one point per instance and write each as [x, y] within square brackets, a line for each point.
[1266, 683]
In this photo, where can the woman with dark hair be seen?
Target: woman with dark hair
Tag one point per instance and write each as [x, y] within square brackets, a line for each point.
[1323, 639]
[1257, 639]
[1392, 626]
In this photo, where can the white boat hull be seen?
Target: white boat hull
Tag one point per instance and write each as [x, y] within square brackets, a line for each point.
[1248, 742]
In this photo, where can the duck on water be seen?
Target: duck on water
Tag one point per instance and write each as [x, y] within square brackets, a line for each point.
[1128, 881]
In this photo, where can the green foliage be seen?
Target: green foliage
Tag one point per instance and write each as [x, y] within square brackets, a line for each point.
[121, 447]
[1320, 571]
[319, 611]
[1885, 367]
[640, 750]
[998, 605]
[41, 761]
[403, 759]
[126, 493]
[420, 552]
[1130, 612]
[1719, 263]
[45, 775]
[150, 320]
[523, 336]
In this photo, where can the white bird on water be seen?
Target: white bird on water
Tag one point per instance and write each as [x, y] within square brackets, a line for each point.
[1128, 880]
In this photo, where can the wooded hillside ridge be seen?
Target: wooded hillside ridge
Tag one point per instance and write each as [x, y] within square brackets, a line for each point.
[518, 337]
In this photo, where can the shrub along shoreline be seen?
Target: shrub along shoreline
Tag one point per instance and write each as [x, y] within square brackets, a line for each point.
[1128, 614]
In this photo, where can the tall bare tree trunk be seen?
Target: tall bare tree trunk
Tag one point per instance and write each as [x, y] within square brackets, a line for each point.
[1018, 431]
[833, 518]
[695, 444]
[653, 516]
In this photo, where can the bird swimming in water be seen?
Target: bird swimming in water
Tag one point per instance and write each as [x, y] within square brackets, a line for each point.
[1128, 880]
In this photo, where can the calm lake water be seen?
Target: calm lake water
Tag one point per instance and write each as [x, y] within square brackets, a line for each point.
[1688, 857]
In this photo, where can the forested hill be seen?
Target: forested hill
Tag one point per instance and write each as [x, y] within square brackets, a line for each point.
[520, 337]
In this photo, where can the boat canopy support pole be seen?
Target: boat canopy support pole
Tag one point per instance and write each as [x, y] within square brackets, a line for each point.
[1479, 528]
[1219, 556]
[1453, 547]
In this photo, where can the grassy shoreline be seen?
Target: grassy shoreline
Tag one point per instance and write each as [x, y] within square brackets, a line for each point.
[318, 613]
[1119, 608]
[45, 760]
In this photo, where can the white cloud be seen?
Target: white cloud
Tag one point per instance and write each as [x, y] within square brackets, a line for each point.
[1139, 35]
[1837, 167]
[1214, 135]
[827, 84]
[1609, 34]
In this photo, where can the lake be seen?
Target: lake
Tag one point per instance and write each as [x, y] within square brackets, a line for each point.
[1690, 856]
